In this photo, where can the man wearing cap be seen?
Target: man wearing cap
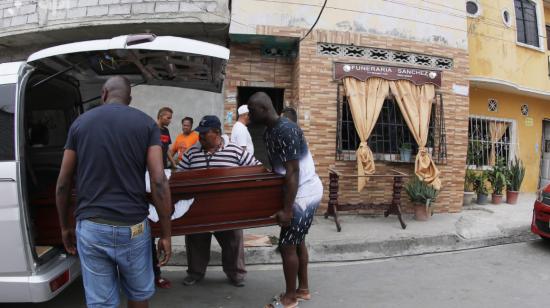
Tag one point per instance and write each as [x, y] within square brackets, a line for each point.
[239, 134]
[213, 151]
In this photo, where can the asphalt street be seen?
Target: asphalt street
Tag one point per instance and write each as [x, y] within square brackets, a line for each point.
[514, 275]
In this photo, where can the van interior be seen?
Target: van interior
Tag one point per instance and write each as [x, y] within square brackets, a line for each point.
[63, 86]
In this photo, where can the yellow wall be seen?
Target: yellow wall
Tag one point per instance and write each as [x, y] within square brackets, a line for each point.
[495, 54]
[528, 138]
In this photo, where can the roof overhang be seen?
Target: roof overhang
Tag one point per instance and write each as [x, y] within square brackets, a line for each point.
[507, 87]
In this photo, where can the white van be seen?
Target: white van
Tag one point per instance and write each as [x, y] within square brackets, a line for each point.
[39, 99]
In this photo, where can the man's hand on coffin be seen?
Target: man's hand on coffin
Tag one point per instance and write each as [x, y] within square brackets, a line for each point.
[284, 218]
[164, 250]
[69, 240]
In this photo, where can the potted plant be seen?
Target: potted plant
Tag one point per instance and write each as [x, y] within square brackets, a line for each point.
[469, 180]
[405, 150]
[497, 178]
[480, 188]
[422, 196]
[516, 172]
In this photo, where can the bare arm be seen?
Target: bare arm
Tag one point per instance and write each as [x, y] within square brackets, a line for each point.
[171, 153]
[162, 200]
[292, 178]
[171, 159]
[63, 197]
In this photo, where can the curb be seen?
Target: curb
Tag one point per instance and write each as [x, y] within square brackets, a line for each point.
[339, 251]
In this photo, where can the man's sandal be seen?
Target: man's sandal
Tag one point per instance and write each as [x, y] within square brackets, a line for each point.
[163, 283]
[276, 303]
[303, 294]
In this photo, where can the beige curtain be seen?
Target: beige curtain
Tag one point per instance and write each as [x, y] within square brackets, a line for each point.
[365, 99]
[496, 131]
[415, 103]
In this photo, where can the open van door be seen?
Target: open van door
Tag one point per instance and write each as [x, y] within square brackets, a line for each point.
[144, 59]
[14, 253]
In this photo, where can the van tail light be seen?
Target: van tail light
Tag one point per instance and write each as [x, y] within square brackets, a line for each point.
[59, 281]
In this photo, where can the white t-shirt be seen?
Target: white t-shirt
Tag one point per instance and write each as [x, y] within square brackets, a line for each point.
[241, 137]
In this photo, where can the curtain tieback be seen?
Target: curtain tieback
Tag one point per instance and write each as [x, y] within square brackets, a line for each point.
[425, 168]
[365, 157]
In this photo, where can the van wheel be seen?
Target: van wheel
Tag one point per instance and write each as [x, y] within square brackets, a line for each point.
[545, 239]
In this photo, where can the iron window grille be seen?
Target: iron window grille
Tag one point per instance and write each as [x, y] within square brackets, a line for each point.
[480, 144]
[390, 132]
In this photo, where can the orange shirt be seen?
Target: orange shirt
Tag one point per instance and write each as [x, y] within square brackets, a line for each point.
[183, 143]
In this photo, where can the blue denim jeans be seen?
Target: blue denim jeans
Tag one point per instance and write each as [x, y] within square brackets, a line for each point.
[112, 260]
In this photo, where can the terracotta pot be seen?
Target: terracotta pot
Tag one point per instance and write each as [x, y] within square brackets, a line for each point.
[496, 199]
[482, 199]
[512, 197]
[420, 212]
[468, 197]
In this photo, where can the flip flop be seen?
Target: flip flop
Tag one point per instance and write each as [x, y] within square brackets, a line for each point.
[276, 303]
[163, 283]
[303, 294]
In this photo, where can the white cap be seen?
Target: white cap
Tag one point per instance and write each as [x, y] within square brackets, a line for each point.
[243, 109]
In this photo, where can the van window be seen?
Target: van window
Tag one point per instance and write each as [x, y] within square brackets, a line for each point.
[7, 111]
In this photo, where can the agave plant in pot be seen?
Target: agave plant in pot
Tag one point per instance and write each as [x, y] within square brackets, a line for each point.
[515, 176]
[469, 180]
[422, 196]
[480, 187]
[497, 178]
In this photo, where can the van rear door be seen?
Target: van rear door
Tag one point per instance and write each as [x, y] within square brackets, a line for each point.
[14, 246]
[144, 59]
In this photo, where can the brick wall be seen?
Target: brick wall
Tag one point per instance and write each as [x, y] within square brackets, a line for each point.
[315, 92]
[247, 68]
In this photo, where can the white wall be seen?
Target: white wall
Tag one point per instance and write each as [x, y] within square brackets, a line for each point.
[184, 102]
[432, 21]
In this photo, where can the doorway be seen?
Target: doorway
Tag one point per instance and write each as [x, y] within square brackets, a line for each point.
[257, 131]
[545, 158]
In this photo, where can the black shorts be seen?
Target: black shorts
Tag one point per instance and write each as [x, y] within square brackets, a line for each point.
[299, 226]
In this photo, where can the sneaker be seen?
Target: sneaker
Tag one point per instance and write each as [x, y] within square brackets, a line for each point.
[189, 281]
[237, 282]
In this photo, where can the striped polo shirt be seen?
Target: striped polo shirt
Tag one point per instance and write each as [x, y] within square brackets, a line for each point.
[229, 155]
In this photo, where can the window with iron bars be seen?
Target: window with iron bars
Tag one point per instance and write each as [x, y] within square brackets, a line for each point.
[480, 144]
[390, 133]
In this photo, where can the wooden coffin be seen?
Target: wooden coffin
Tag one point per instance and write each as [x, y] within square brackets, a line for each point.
[224, 199]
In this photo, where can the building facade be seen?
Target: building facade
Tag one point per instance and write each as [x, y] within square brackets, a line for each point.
[271, 52]
[510, 85]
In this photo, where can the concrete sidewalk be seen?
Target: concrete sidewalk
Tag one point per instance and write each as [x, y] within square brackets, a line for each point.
[365, 237]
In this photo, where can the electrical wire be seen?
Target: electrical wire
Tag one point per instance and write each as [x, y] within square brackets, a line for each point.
[315, 23]
[399, 18]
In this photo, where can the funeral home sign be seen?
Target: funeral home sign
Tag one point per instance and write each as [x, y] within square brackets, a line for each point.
[364, 71]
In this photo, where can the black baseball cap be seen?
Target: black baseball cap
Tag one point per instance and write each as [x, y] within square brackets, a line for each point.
[208, 122]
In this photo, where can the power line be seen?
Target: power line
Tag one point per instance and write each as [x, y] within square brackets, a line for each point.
[315, 23]
[490, 21]
[394, 17]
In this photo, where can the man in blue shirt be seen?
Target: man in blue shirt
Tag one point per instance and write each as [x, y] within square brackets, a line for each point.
[109, 149]
[289, 155]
